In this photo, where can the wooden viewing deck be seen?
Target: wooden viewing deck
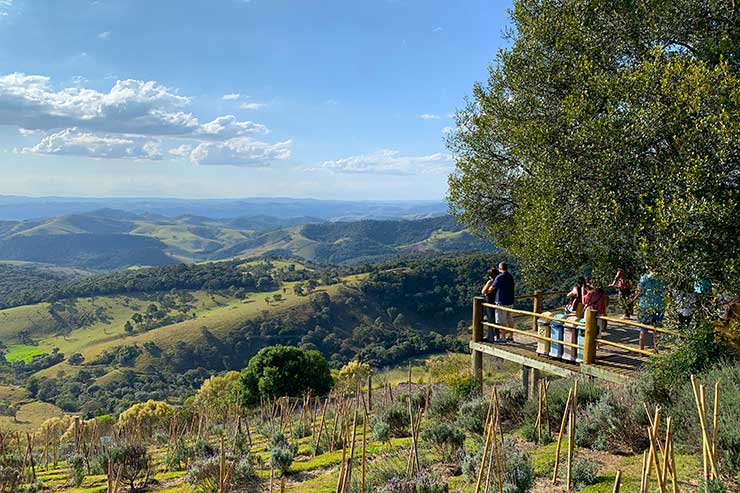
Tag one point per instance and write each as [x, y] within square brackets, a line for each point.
[615, 357]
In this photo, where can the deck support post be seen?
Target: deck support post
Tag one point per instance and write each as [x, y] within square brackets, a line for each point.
[477, 358]
[534, 382]
[590, 335]
[525, 380]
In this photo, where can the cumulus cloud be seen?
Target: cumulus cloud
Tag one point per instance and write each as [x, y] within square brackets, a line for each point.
[429, 116]
[104, 35]
[74, 142]
[127, 121]
[230, 97]
[131, 106]
[240, 151]
[181, 150]
[391, 162]
[5, 6]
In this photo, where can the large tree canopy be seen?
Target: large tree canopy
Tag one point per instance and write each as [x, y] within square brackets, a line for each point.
[608, 134]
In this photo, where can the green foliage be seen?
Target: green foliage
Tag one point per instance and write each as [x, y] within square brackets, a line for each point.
[381, 472]
[277, 371]
[472, 414]
[391, 421]
[446, 439]
[204, 475]
[76, 465]
[584, 473]
[711, 486]
[518, 470]
[134, 461]
[444, 403]
[282, 453]
[11, 472]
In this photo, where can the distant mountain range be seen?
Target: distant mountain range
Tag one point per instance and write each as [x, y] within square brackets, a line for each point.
[17, 208]
[109, 239]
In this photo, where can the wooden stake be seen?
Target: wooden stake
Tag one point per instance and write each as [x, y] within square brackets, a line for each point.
[702, 422]
[364, 456]
[321, 427]
[566, 413]
[617, 481]
[715, 418]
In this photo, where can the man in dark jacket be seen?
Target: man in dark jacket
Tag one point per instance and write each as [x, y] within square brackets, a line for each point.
[504, 286]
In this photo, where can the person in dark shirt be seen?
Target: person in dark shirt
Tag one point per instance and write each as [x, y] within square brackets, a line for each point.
[504, 286]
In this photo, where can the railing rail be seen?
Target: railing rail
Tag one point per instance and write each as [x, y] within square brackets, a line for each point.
[590, 326]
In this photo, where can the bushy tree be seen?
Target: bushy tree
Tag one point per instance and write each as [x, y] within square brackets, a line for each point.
[608, 134]
[145, 418]
[277, 371]
[219, 395]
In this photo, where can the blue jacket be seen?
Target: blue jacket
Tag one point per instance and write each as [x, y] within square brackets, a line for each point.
[504, 284]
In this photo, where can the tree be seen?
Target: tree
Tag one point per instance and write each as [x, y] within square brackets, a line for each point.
[277, 297]
[146, 418]
[127, 327]
[277, 371]
[608, 134]
[218, 396]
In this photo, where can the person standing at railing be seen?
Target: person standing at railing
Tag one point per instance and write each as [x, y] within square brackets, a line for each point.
[651, 293]
[489, 292]
[575, 296]
[504, 297]
[596, 299]
[626, 295]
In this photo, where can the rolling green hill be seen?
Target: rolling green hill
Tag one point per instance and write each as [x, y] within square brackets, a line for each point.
[108, 239]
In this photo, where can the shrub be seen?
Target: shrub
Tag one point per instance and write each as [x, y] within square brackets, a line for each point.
[134, 460]
[529, 433]
[11, 471]
[472, 414]
[444, 403]
[282, 453]
[511, 401]
[381, 430]
[76, 465]
[204, 475]
[381, 472]
[584, 473]
[595, 423]
[518, 469]
[395, 418]
[712, 486]
[445, 439]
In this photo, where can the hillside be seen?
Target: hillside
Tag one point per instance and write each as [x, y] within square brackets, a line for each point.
[109, 239]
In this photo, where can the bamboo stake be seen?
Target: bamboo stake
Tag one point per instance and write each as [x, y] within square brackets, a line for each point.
[654, 458]
[702, 423]
[643, 473]
[617, 481]
[321, 427]
[572, 432]
[364, 456]
[497, 453]
[348, 480]
[715, 418]
[665, 450]
[566, 412]
[489, 431]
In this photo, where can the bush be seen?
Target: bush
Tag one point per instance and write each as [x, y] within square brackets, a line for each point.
[11, 471]
[472, 414]
[381, 472]
[134, 460]
[518, 469]
[511, 401]
[76, 465]
[444, 403]
[395, 418]
[381, 430]
[445, 439]
[204, 475]
[529, 433]
[282, 453]
[584, 473]
[595, 423]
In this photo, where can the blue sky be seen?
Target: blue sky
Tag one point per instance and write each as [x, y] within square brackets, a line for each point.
[344, 99]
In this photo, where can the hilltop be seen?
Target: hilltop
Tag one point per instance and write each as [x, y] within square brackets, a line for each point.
[109, 239]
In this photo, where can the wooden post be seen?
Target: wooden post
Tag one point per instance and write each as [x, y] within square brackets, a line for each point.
[589, 343]
[534, 381]
[617, 481]
[370, 392]
[525, 380]
[478, 319]
[537, 308]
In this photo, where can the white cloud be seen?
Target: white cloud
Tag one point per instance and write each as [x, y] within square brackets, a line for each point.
[438, 29]
[390, 162]
[104, 35]
[5, 6]
[73, 142]
[230, 97]
[25, 132]
[127, 121]
[181, 150]
[131, 106]
[240, 151]
[429, 116]
[250, 105]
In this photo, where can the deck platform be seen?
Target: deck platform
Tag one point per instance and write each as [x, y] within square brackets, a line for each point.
[612, 364]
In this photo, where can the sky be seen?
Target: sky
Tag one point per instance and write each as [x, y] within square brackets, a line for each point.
[330, 99]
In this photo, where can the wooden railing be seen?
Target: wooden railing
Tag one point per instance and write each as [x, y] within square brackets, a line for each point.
[590, 325]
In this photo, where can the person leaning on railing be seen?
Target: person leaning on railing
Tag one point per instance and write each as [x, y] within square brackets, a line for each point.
[651, 305]
[625, 288]
[596, 299]
[504, 297]
[489, 292]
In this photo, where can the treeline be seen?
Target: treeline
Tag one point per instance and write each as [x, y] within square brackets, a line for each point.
[31, 288]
